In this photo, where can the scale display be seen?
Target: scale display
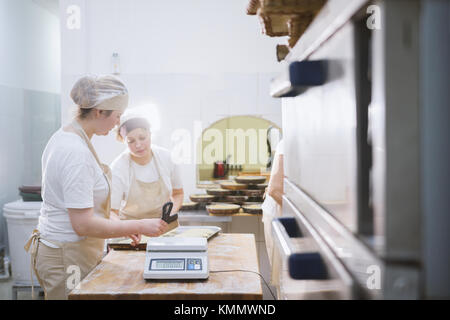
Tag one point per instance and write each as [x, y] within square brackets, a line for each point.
[167, 264]
[175, 264]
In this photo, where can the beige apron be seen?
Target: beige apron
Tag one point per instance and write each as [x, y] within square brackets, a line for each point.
[145, 200]
[58, 270]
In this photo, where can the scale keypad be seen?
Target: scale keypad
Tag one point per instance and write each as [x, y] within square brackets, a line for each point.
[194, 264]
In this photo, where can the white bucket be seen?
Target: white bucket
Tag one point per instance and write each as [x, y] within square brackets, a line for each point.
[21, 218]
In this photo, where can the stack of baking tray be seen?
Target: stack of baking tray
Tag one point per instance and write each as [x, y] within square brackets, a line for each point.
[243, 195]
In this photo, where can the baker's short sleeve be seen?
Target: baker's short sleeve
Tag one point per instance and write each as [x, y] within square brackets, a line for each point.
[175, 177]
[77, 182]
[170, 167]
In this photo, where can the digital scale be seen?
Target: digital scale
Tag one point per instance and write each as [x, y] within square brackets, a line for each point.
[176, 258]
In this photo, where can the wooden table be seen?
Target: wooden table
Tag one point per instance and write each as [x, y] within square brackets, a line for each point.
[120, 275]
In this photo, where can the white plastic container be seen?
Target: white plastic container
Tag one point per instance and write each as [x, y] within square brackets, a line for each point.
[21, 219]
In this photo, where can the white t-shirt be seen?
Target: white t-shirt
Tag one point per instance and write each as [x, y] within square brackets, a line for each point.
[71, 178]
[170, 173]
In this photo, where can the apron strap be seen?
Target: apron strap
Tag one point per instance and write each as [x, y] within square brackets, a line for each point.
[77, 129]
[33, 244]
[35, 236]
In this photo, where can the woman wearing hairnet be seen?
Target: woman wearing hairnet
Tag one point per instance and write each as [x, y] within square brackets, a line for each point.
[76, 192]
[144, 175]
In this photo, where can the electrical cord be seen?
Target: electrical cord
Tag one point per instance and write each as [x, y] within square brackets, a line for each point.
[241, 270]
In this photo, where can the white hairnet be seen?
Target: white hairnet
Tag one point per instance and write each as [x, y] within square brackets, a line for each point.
[100, 92]
[130, 115]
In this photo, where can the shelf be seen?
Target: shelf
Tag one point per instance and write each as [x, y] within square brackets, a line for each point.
[280, 18]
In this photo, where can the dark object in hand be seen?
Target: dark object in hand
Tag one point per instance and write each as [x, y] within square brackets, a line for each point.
[167, 208]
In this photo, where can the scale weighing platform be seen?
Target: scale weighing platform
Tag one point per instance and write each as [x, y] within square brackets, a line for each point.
[176, 258]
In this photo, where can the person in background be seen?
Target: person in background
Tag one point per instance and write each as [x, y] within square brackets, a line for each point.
[144, 175]
[76, 192]
[272, 207]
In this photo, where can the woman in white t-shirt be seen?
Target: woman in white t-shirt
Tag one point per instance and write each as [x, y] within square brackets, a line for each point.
[144, 176]
[75, 213]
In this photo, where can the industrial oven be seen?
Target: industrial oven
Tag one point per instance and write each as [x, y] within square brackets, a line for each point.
[351, 223]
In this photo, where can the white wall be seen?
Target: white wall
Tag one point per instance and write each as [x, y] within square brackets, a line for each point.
[171, 36]
[198, 60]
[29, 88]
[30, 47]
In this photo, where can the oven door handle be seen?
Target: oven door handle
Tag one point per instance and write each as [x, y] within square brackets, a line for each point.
[299, 76]
[306, 265]
[282, 237]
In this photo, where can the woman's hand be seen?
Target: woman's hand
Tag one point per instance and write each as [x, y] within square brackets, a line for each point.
[152, 227]
[85, 223]
[135, 239]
